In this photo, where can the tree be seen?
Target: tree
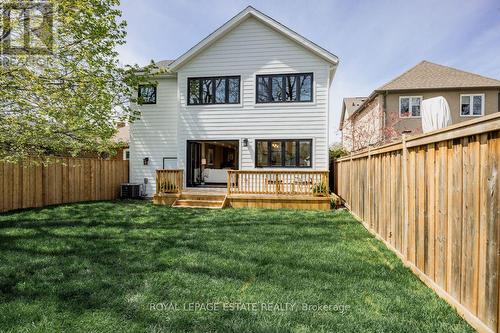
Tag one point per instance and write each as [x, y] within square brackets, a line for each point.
[67, 99]
[336, 151]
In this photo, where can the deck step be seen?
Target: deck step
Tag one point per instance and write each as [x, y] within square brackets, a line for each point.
[202, 196]
[198, 203]
[203, 207]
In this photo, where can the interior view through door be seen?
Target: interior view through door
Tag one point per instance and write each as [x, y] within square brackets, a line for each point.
[208, 162]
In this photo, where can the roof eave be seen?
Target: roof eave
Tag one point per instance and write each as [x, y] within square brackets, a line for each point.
[370, 98]
[436, 89]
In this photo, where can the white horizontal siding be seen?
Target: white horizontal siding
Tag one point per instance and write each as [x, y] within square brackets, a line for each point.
[154, 135]
[249, 50]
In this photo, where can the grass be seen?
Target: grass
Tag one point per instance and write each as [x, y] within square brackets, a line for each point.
[134, 267]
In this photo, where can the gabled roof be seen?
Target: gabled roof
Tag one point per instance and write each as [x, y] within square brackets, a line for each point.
[163, 64]
[349, 106]
[427, 75]
[239, 18]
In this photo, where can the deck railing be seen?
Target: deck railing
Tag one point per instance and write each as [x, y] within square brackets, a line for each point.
[287, 182]
[169, 180]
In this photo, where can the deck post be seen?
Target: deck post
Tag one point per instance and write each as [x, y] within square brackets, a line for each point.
[277, 179]
[157, 181]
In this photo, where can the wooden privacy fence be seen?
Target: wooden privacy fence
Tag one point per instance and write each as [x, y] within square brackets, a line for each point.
[434, 200]
[169, 180]
[286, 182]
[30, 184]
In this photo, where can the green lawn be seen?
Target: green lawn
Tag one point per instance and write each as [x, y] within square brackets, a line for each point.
[134, 267]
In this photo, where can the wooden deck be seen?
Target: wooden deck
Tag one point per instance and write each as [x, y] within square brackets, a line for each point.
[278, 201]
[248, 189]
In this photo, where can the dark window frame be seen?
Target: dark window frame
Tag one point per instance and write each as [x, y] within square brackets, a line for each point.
[284, 76]
[283, 141]
[213, 79]
[139, 96]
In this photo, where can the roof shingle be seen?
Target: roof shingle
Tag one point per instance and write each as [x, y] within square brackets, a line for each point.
[163, 64]
[427, 75]
[352, 104]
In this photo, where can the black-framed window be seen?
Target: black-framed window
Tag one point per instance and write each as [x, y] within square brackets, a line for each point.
[284, 88]
[214, 90]
[289, 153]
[147, 94]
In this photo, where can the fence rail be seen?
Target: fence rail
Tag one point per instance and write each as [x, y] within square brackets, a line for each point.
[280, 182]
[65, 180]
[434, 200]
[169, 180]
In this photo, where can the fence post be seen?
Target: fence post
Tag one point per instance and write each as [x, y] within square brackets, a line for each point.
[350, 180]
[368, 180]
[405, 197]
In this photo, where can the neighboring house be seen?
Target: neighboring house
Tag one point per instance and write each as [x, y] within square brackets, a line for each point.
[395, 107]
[349, 106]
[252, 95]
[122, 137]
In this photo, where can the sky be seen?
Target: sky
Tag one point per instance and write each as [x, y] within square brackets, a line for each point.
[374, 40]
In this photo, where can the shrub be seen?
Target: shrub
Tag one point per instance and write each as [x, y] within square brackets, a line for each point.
[336, 151]
[319, 189]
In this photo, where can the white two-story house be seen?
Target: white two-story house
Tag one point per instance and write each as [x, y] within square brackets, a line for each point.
[252, 95]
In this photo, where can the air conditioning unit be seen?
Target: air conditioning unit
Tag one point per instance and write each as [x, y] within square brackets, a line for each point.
[131, 191]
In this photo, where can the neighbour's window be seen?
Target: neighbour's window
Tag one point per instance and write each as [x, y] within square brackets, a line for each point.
[214, 90]
[126, 154]
[147, 94]
[284, 88]
[471, 105]
[295, 153]
[409, 106]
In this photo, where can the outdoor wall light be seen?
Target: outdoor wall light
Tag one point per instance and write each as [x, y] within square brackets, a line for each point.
[245, 142]
[145, 161]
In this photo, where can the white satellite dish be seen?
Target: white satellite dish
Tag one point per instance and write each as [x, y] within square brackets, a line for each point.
[435, 114]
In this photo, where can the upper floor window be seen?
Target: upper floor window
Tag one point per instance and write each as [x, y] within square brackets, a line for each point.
[284, 88]
[214, 90]
[472, 105]
[409, 106]
[147, 94]
[283, 153]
